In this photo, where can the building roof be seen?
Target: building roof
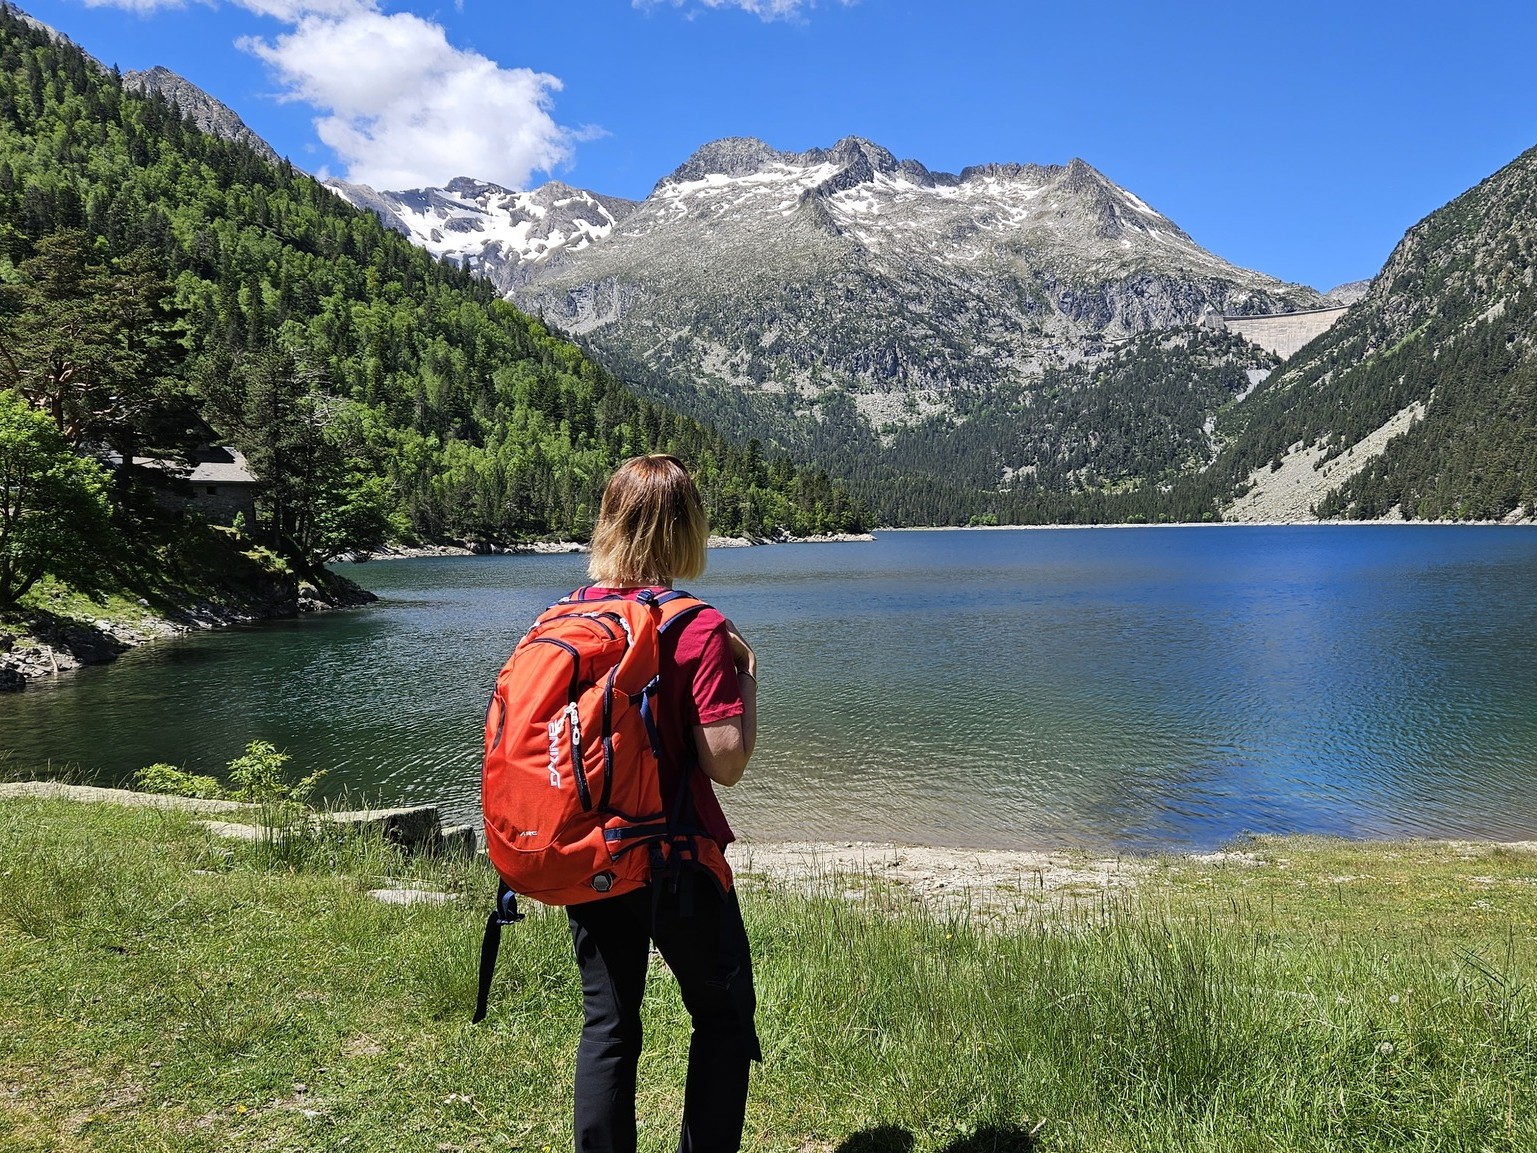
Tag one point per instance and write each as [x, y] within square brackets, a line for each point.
[221, 466]
[208, 466]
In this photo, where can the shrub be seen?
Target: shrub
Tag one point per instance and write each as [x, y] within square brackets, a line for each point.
[163, 778]
[257, 776]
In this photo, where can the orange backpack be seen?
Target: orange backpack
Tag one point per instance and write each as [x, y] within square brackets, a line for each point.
[570, 786]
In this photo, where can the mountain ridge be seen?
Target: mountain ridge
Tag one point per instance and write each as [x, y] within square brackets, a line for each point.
[828, 299]
[210, 114]
[1441, 349]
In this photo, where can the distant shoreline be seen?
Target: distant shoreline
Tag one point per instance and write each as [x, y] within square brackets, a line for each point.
[1522, 523]
[560, 547]
[557, 548]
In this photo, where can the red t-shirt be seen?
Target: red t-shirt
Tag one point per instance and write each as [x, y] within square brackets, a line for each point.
[699, 686]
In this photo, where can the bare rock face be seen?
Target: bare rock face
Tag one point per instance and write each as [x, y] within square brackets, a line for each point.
[1345, 295]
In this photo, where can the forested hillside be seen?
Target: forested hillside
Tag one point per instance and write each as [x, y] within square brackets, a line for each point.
[163, 288]
[1450, 324]
[1119, 438]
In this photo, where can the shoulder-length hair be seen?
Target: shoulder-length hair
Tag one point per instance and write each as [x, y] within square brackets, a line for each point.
[651, 527]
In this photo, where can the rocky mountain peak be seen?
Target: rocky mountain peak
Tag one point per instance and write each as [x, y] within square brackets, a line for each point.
[1032, 173]
[859, 162]
[210, 115]
[469, 186]
[732, 156]
[857, 150]
[1080, 176]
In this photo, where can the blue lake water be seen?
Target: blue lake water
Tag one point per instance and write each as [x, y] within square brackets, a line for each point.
[1112, 689]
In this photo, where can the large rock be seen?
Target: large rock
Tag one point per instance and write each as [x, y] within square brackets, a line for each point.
[416, 829]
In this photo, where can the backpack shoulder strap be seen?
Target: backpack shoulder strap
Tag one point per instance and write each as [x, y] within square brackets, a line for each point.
[676, 605]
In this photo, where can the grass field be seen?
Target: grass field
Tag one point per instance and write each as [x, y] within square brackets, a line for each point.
[162, 990]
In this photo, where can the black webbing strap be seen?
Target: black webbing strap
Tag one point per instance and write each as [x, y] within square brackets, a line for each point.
[505, 913]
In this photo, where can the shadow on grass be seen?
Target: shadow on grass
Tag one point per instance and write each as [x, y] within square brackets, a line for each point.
[893, 1139]
[881, 1139]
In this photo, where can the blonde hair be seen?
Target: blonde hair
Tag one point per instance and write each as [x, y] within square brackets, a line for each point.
[651, 527]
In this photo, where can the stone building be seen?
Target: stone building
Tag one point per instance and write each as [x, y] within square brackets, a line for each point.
[215, 483]
[222, 486]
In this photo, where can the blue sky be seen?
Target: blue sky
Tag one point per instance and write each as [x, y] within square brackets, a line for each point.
[1301, 139]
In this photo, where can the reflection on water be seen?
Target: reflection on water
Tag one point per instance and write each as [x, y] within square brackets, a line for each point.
[1110, 688]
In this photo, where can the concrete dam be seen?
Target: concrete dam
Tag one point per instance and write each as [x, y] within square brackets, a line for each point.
[1282, 333]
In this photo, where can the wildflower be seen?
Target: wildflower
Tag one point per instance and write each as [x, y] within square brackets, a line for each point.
[1385, 1049]
[1393, 1000]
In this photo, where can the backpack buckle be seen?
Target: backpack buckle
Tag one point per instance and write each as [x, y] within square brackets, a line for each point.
[507, 907]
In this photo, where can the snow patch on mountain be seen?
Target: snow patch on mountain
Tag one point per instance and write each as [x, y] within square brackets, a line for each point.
[481, 225]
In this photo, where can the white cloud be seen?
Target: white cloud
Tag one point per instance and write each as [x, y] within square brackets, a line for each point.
[765, 10]
[401, 106]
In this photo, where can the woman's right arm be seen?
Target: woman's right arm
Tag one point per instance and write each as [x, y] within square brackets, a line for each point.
[725, 746]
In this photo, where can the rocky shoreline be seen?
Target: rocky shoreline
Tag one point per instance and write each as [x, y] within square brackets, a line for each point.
[934, 877]
[36, 643]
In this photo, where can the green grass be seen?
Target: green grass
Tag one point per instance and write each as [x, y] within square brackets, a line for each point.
[50, 596]
[160, 990]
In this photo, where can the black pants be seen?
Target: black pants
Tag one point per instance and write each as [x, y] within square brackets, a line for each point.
[699, 933]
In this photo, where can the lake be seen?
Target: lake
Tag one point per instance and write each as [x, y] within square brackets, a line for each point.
[1114, 689]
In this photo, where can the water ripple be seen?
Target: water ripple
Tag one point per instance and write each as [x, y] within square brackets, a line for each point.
[1117, 689]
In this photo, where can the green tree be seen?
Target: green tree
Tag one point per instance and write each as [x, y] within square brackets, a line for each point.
[89, 345]
[309, 448]
[53, 504]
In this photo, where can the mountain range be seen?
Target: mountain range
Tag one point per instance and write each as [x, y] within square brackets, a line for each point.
[779, 276]
[965, 344]
[1019, 342]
